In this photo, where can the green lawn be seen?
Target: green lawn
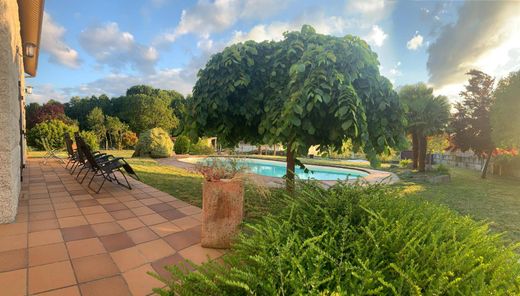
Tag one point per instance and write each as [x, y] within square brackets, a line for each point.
[495, 200]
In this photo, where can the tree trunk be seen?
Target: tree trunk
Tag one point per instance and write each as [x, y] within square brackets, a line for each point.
[274, 150]
[422, 142]
[289, 174]
[486, 164]
[415, 150]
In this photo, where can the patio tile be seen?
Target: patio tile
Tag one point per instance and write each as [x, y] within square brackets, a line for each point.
[175, 259]
[116, 242]
[93, 210]
[69, 291]
[42, 216]
[14, 282]
[72, 221]
[198, 254]
[87, 203]
[152, 219]
[165, 228]
[40, 208]
[191, 210]
[94, 267]
[13, 228]
[186, 222]
[127, 259]
[45, 237]
[142, 235]
[99, 218]
[139, 282]
[130, 224]
[47, 254]
[184, 239]
[122, 214]
[179, 204]
[50, 276]
[142, 211]
[13, 260]
[106, 201]
[150, 201]
[116, 285]
[78, 232]
[160, 207]
[85, 247]
[156, 249]
[133, 204]
[103, 229]
[65, 205]
[172, 214]
[114, 207]
[68, 212]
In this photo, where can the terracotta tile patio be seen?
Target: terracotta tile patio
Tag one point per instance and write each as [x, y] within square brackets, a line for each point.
[67, 240]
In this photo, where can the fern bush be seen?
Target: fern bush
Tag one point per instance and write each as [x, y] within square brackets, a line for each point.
[357, 241]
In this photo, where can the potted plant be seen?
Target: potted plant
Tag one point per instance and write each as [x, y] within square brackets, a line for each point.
[222, 202]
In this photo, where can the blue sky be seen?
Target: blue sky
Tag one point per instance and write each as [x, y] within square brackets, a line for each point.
[93, 47]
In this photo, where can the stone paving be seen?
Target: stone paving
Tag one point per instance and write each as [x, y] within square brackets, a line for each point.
[67, 240]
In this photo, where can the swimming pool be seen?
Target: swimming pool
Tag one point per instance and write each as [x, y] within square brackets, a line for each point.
[277, 169]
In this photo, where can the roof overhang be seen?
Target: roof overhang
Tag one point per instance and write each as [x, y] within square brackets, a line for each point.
[31, 17]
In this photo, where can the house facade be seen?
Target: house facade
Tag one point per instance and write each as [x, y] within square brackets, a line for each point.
[20, 31]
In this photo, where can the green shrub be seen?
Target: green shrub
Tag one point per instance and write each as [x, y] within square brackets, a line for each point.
[154, 143]
[358, 241]
[405, 163]
[53, 130]
[90, 139]
[442, 169]
[129, 139]
[182, 145]
[202, 147]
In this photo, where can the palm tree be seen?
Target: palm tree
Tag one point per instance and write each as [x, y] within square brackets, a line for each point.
[427, 115]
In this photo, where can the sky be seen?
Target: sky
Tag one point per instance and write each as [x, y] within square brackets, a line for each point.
[105, 46]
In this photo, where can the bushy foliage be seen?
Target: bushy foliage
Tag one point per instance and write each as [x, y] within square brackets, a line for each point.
[405, 163]
[355, 240]
[505, 121]
[202, 147]
[90, 139]
[52, 130]
[154, 143]
[129, 139]
[182, 145]
[442, 169]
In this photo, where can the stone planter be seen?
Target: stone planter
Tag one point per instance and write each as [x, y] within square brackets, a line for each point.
[222, 212]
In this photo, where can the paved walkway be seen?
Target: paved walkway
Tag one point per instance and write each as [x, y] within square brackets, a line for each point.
[67, 240]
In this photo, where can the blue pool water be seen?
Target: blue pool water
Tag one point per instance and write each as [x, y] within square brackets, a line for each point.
[277, 169]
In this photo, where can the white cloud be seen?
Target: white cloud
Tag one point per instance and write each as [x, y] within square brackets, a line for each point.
[485, 37]
[376, 36]
[415, 42]
[52, 43]
[44, 92]
[117, 49]
[208, 17]
[370, 11]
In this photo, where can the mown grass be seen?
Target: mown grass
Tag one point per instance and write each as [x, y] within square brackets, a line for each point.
[495, 200]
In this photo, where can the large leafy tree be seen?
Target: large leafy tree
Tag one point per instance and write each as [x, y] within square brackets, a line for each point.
[308, 89]
[97, 123]
[37, 113]
[471, 123]
[505, 113]
[78, 108]
[427, 115]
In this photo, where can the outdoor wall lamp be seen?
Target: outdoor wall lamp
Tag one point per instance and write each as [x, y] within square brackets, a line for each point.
[29, 49]
[28, 89]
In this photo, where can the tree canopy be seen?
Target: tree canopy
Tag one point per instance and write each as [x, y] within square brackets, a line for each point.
[505, 113]
[471, 123]
[308, 89]
[427, 115]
